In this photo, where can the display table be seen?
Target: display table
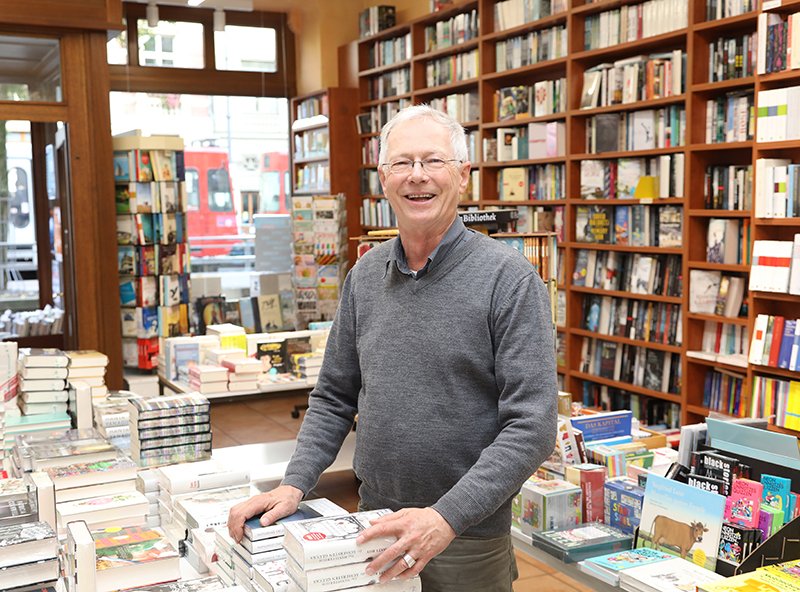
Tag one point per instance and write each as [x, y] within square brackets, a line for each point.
[179, 386]
[267, 461]
[523, 543]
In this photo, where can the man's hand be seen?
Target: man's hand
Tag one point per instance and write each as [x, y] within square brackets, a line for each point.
[421, 533]
[275, 504]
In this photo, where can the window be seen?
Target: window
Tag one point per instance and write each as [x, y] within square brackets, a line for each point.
[192, 189]
[219, 191]
[30, 69]
[271, 192]
[250, 49]
[172, 44]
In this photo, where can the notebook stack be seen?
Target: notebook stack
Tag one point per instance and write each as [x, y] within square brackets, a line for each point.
[322, 554]
[28, 556]
[181, 480]
[89, 366]
[42, 381]
[244, 374]
[170, 429]
[264, 544]
[208, 378]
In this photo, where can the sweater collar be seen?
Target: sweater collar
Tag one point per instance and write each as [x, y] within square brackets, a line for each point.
[454, 235]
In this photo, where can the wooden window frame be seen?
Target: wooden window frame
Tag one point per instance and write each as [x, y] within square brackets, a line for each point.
[208, 80]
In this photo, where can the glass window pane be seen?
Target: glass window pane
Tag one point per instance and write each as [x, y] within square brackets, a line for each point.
[117, 47]
[192, 189]
[170, 44]
[250, 49]
[219, 191]
[30, 69]
[19, 286]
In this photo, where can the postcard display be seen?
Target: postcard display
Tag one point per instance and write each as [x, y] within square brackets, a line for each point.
[152, 244]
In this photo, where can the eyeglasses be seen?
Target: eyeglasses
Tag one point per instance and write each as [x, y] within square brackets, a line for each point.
[429, 165]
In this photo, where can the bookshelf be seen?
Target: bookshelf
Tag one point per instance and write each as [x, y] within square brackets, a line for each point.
[691, 36]
[324, 146]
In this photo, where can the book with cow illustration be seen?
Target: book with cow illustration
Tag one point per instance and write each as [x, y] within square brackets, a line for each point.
[681, 520]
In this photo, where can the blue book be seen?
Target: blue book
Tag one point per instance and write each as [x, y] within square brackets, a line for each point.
[601, 426]
[681, 520]
[255, 532]
[631, 558]
[787, 341]
[776, 492]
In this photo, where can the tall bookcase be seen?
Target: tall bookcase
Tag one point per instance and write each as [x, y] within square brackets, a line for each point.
[391, 71]
[324, 148]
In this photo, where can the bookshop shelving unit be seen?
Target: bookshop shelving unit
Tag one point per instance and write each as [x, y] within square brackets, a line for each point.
[324, 145]
[696, 39]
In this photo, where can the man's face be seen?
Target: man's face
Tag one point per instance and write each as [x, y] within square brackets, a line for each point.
[423, 199]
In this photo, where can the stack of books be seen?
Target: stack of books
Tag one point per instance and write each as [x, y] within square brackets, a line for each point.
[208, 378]
[307, 366]
[322, 553]
[223, 567]
[80, 481]
[89, 367]
[264, 544]
[176, 481]
[17, 502]
[170, 429]
[28, 556]
[20, 425]
[42, 381]
[244, 374]
[147, 483]
[8, 390]
[112, 419]
[58, 448]
[608, 567]
[105, 511]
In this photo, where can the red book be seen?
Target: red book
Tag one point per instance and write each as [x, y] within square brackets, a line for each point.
[777, 335]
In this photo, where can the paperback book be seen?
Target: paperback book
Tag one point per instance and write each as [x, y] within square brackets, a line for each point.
[329, 541]
[135, 556]
[306, 511]
[23, 543]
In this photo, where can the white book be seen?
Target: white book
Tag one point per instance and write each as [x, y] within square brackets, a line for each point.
[31, 385]
[758, 341]
[102, 509]
[27, 542]
[335, 577]
[34, 357]
[86, 357]
[31, 397]
[80, 568]
[771, 264]
[671, 575]
[110, 488]
[74, 372]
[41, 408]
[334, 540]
[40, 373]
[794, 273]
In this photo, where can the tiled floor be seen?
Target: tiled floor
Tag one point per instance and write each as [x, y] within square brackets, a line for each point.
[253, 420]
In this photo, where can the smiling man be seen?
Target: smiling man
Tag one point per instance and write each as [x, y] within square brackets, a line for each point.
[443, 345]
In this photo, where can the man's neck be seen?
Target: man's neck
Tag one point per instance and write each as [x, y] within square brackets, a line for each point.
[420, 244]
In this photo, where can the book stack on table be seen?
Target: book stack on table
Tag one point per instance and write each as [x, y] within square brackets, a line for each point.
[89, 367]
[28, 556]
[263, 545]
[208, 378]
[243, 374]
[322, 555]
[180, 481]
[42, 381]
[112, 418]
[148, 485]
[172, 429]
[17, 501]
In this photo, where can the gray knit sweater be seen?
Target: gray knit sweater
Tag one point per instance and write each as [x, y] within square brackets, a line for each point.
[453, 377]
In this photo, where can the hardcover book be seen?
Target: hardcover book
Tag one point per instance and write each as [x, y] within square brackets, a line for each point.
[580, 542]
[333, 577]
[681, 520]
[329, 541]
[307, 510]
[82, 474]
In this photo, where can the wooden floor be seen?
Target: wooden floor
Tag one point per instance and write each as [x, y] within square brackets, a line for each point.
[252, 420]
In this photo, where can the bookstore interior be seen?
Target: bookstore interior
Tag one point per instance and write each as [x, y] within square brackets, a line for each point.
[636, 152]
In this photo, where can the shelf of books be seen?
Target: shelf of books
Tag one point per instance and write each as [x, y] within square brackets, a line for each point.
[324, 139]
[661, 142]
[153, 247]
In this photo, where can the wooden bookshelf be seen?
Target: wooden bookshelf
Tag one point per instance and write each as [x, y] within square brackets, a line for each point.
[330, 114]
[695, 39]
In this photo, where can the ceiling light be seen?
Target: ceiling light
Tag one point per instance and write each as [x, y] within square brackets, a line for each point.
[152, 14]
[219, 19]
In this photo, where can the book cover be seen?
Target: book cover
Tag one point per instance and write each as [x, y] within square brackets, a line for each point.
[776, 492]
[329, 541]
[743, 504]
[599, 426]
[671, 575]
[681, 520]
[138, 556]
[579, 542]
[306, 511]
[629, 558]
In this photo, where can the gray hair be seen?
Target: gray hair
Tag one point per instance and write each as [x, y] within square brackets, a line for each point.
[458, 140]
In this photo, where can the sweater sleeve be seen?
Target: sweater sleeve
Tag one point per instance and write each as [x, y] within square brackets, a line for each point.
[332, 404]
[525, 372]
